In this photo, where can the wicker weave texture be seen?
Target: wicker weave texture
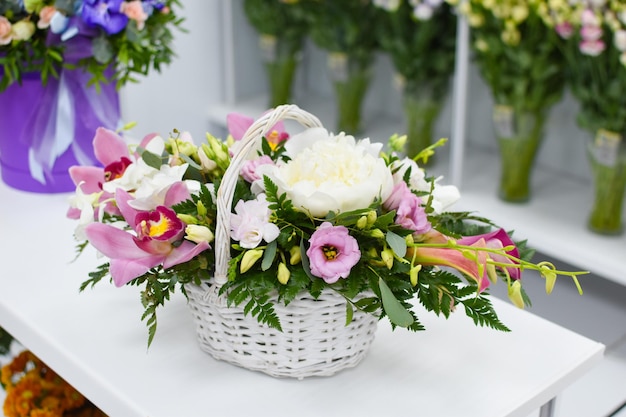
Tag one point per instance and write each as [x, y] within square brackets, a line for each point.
[315, 340]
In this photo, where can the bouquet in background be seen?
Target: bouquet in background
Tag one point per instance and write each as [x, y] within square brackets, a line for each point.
[593, 42]
[518, 58]
[312, 212]
[420, 38]
[282, 26]
[345, 29]
[44, 36]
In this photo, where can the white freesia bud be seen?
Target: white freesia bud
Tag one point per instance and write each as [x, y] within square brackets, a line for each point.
[197, 233]
[620, 40]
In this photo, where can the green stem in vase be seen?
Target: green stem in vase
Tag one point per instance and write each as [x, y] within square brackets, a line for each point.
[421, 110]
[281, 56]
[519, 136]
[351, 80]
[608, 165]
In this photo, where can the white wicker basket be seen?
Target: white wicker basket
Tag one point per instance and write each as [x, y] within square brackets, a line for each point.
[315, 340]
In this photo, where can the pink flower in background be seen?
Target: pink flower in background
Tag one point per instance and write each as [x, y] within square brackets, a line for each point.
[592, 48]
[238, 124]
[251, 223]
[591, 33]
[134, 11]
[565, 30]
[332, 252]
[158, 238]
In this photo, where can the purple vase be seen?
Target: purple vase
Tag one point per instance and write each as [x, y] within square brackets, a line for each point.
[44, 130]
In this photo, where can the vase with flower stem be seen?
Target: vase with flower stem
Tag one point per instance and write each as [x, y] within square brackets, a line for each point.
[282, 27]
[593, 40]
[337, 28]
[521, 63]
[351, 76]
[420, 40]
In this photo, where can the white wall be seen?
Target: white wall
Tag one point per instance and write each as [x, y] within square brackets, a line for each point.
[179, 96]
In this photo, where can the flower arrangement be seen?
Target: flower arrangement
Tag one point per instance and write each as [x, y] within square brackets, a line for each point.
[518, 59]
[133, 36]
[593, 43]
[420, 38]
[33, 389]
[282, 26]
[311, 212]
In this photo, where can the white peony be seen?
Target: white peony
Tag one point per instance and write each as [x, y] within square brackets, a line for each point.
[331, 172]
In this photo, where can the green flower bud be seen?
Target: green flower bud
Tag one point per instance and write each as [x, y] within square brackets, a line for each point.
[515, 294]
[295, 255]
[377, 234]
[387, 256]
[362, 222]
[413, 273]
[187, 218]
[249, 259]
[283, 273]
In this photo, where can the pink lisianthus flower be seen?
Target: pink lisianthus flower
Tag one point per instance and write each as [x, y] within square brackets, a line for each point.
[251, 223]
[157, 238]
[332, 252]
[498, 239]
[249, 169]
[409, 211]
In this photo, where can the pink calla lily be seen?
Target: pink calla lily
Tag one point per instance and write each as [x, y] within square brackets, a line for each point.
[132, 256]
[475, 269]
[497, 239]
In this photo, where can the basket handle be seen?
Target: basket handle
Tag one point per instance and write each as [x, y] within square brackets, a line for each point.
[226, 190]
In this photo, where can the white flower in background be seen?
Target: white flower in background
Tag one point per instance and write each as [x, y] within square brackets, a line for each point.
[389, 5]
[331, 172]
[620, 40]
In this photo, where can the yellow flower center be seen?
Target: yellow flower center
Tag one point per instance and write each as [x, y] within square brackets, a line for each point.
[330, 252]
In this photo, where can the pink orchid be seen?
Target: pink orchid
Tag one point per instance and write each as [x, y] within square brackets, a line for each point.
[112, 152]
[158, 240]
[333, 252]
[238, 124]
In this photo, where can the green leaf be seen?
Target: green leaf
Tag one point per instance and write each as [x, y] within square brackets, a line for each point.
[397, 243]
[349, 313]
[268, 256]
[151, 159]
[398, 315]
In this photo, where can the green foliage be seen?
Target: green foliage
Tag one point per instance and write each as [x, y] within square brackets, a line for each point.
[5, 341]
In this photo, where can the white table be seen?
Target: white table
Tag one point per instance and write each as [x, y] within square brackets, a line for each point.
[97, 342]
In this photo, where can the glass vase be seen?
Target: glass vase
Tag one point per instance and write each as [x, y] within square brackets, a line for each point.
[607, 156]
[519, 136]
[421, 105]
[351, 77]
[281, 56]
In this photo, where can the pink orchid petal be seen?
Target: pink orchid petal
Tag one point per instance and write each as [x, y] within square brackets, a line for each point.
[124, 270]
[73, 213]
[185, 252]
[238, 124]
[114, 243]
[91, 177]
[122, 198]
[177, 193]
[108, 146]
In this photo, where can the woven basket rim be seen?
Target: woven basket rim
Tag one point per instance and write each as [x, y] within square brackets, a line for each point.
[226, 190]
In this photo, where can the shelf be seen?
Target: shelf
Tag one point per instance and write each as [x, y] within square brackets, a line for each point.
[554, 221]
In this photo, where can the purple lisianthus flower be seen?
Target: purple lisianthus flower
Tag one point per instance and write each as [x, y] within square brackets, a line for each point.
[106, 14]
[249, 169]
[333, 252]
[409, 211]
